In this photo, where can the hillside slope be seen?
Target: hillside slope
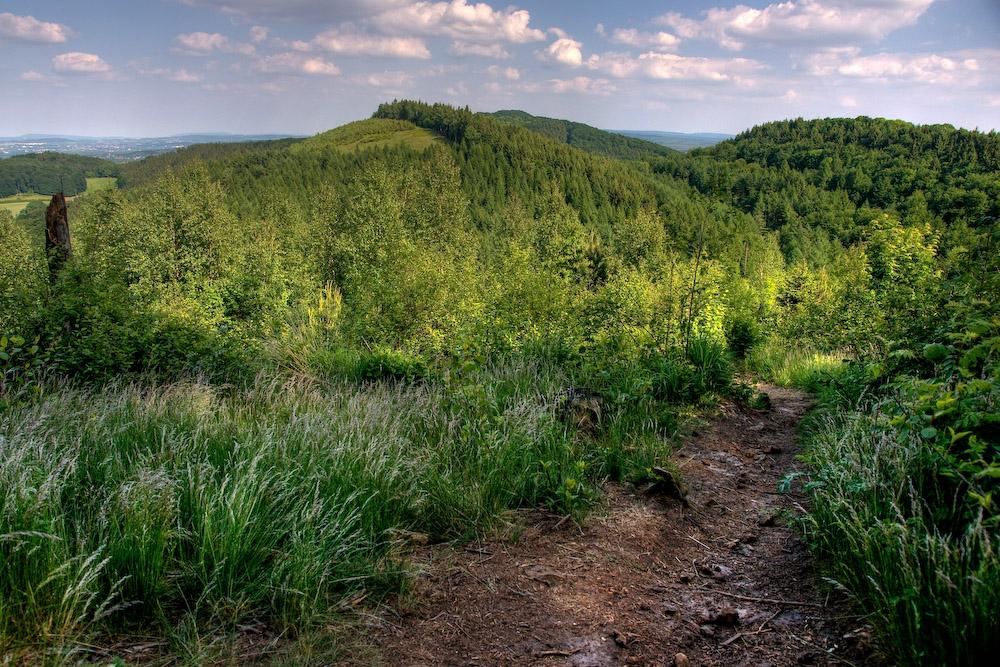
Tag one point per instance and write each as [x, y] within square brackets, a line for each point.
[585, 137]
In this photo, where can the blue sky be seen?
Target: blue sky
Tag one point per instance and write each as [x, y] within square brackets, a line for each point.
[156, 67]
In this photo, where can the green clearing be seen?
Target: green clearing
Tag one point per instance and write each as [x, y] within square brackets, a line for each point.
[17, 203]
[101, 183]
[365, 135]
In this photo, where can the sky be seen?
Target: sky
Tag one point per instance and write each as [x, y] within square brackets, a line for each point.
[159, 67]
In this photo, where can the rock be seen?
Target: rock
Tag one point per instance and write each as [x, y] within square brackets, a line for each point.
[670, 609]
[681, 660]
[715, 570]
[544, 574]
[728, 617]
[768, 520]
[667, 484]
[707, 630]
[581, 408]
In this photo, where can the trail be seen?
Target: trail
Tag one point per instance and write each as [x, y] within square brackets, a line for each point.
[722, 580]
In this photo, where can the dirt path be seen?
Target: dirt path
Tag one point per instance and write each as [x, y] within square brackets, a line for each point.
[722, 580]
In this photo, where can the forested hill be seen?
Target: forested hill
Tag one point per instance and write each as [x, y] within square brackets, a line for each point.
[585, 137]
[819, 182]
[46, 173]
[503, 164]
[145, 170]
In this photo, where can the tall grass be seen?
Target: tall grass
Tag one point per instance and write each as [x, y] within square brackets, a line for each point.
[188, 505]
[776, 361]
[933, 595]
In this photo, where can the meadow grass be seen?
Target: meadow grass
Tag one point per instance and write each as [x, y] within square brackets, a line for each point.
[931, 594]
[194, 508]
[368, 134]
[96, 184]
[17, 203]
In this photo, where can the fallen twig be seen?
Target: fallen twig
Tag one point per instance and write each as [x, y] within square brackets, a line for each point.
[790, 603]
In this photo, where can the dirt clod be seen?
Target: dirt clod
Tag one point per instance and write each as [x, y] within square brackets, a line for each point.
[681, 660]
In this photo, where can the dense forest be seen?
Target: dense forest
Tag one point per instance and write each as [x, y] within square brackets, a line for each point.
[266, 362]
[47, 173]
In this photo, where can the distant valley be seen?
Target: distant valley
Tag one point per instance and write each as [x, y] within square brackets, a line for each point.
[679, 141]
[118, 149]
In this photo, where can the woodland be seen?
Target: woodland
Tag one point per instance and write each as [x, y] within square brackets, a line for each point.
[264, 363]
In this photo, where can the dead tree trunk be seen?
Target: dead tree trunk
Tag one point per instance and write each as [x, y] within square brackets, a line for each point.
[57, 244]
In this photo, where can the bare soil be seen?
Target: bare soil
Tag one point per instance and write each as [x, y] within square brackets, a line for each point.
[720, 579]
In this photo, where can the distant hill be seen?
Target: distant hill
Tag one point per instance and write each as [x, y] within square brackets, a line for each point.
[584, 137]
[680, 141]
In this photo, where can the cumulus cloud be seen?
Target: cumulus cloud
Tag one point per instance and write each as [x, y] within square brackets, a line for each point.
[564, 50]
[497, 51]
[295, 63]
[647, 40]
[459, 19]
[203, 43]
[961, 68]
[799, 22]
[32, 75]
[30, 29]
[80, 63]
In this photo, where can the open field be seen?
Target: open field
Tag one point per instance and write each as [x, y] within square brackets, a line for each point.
[17, 203]
[102, 183]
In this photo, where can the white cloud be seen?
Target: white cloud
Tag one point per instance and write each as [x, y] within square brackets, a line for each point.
[564, 50]
[655, 65]
[295, 63]
[32, 75]
[176, 75]
[804, 22]
[459, 19]
[258, 34]
[387, 80]
[80, 63]
[848, 102]
[790, 96]
[958, 68]
[509, 73]
[497, 51]
[582, 85]
[349, 42]
[648, 40]
[302, 10]
[203, 43]
[30, 29]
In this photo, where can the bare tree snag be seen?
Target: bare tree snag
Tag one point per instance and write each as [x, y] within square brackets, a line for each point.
[57, 243]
